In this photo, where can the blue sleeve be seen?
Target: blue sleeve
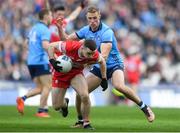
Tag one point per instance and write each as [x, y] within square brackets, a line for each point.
[107, 36]
[81, 33]
[45, 34]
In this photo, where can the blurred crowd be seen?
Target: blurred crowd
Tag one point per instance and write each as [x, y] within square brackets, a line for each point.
[148, 33]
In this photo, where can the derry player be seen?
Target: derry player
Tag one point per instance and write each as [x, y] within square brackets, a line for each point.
[81, 54]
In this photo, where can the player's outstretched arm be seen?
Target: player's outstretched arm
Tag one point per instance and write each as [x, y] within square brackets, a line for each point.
[62, 33]
[77, 11]
[74, 14]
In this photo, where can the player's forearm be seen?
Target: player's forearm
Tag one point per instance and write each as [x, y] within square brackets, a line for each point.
[74, 14]
[62, 34]
[103, 68]
[50, 51]
[105, 50]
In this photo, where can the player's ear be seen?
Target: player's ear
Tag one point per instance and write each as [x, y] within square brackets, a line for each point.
[86, 16]
[99, 14]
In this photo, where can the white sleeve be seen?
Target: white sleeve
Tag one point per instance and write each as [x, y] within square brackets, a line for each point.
[62, 46]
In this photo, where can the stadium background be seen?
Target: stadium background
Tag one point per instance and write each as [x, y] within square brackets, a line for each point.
[147, 29]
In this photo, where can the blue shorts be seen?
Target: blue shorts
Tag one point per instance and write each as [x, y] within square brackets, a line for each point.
[96, 71]
[38, 70]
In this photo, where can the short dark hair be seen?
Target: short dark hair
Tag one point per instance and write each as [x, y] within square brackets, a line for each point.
[58, 7]
[42, 13]
[91, 44]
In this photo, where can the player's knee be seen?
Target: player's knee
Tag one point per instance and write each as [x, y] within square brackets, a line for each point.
[85, 98]
[55, 107]
[119, 87]
[78, 96]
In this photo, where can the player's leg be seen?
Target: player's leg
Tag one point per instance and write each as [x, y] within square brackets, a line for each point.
[59, 102]
[90, 78]
[119, 84]
[80, 85]
[45, 81]
[35, 91]
[20, 100]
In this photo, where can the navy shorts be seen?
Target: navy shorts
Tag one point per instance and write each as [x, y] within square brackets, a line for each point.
[96, 71]
[38, 70]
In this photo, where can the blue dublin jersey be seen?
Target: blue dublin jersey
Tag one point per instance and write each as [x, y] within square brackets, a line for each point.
[103, 34]
[36, 53]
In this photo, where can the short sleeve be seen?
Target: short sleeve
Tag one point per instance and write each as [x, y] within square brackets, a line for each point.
[69, 46]
[62, 47]
[82, 32]
[107, 36]
[96, 56]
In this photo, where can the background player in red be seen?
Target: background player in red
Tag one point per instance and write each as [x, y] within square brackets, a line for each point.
[59, 11]
[81, 53]
[134, 67]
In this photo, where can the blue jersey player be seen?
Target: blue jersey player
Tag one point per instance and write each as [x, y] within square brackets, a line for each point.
[38, 63]
[107, 45]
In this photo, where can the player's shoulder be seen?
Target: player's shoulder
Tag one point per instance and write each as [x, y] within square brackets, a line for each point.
[85, 27]
[73, 45]
[106, 28]
[41, 26]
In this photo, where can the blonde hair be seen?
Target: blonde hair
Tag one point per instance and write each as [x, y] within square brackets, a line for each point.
[93, 9]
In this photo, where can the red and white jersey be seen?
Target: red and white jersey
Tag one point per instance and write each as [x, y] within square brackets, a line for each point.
[71, 49]
[54, 32]
[133, 68]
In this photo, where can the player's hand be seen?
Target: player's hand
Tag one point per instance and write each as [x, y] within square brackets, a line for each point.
[59, 22]
[104, 84]
[84, 3]
[55, 65]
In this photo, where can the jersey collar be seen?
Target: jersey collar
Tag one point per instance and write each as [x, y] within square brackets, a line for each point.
[99, 28]
[41, 22]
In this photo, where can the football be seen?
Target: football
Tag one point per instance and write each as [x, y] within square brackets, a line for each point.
[65, 63]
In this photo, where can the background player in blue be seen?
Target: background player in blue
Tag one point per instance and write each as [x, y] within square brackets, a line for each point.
[107, 45]
[38, 63]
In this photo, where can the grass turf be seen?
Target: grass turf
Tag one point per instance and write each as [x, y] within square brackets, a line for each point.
[104, 119]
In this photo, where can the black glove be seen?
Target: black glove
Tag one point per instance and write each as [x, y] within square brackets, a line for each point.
[104, 84]
[55, 63]
[84, 3]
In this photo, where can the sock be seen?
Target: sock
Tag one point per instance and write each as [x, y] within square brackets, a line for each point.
[46, 109]
[142, 104]
[24, 97]
[40, 110]
[80, 118]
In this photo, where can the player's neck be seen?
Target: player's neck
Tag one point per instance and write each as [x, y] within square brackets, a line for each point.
[94, 29]
[44, 22]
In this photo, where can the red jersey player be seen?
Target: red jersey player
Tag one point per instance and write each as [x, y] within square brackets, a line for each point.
[134, 66]
[59, 11]
[81, 54]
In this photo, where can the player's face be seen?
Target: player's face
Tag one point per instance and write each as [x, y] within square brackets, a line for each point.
[93, 20]
[87, 53]
[60, 14]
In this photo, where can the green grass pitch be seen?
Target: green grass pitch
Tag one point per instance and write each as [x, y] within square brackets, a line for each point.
[104, 119]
